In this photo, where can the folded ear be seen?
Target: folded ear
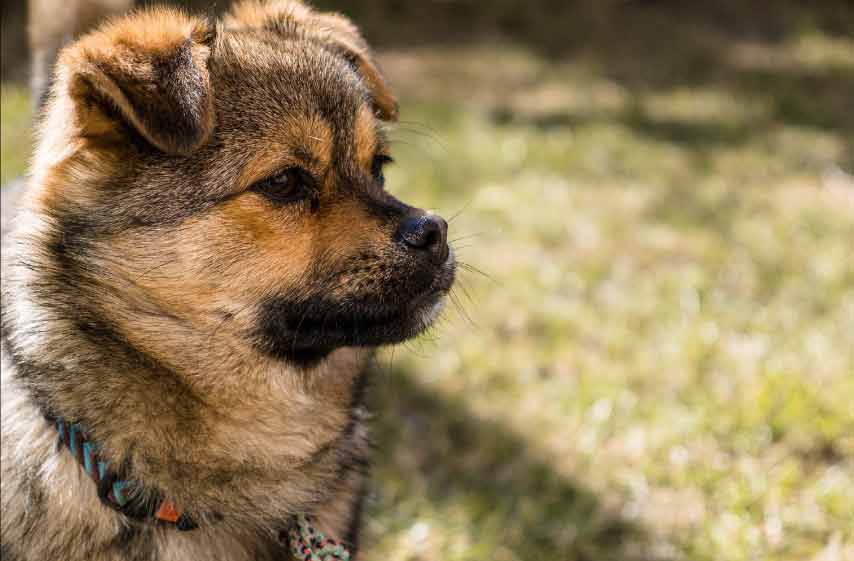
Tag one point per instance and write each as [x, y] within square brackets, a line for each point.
[150, 70]
[292, 18]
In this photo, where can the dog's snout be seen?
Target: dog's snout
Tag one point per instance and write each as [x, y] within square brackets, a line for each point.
[426, 232]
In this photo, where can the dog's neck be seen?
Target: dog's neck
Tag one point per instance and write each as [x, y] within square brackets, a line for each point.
[178, 430]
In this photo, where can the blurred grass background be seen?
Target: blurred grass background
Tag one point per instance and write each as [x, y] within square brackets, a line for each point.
[651, 355]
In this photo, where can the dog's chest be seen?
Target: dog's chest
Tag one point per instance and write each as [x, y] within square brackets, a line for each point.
[295, 417]
[301, 442]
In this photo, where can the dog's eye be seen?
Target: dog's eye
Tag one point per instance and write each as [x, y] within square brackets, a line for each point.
[292, 185]
[379, 163]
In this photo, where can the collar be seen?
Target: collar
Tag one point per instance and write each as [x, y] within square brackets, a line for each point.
[124, 495]
[307, 544]
[135, 501]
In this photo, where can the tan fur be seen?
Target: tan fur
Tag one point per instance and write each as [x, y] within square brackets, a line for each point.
[305, 133]
[332, 28]
[365, 137]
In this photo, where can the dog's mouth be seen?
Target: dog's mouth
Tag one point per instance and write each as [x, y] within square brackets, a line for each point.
[305, 330]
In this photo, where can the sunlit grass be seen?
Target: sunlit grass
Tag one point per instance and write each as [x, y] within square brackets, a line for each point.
[659, 363]
[15, 128]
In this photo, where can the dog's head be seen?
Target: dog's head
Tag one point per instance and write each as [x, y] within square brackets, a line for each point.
[228, 177]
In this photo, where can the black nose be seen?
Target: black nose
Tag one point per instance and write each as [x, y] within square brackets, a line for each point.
[427, 232]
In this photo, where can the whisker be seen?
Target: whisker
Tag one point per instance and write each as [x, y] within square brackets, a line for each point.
[408, 345]
[420, 149]
[152, 269]
[391, 361]
[228, 317]
[455, 299]
[425, 126]
[469, 236]
[466, 292]
[426, 135]
[474, 269]
[464, 207]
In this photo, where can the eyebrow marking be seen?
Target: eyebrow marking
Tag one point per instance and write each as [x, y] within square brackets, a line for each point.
[303, 153]
[303, 137]
[365, 135]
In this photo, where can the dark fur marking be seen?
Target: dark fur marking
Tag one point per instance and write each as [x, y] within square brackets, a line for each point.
[6, 554]
[187, 93]
[354, 420]
[306, 330]
[354, 528]
[304, 358]
[382, 309]
[136, 542]
[384, 207]
[28, 372]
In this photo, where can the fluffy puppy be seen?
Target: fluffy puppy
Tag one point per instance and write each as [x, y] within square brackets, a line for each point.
[205, 258]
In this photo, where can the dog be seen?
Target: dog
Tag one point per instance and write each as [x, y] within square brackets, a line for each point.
[204, 259]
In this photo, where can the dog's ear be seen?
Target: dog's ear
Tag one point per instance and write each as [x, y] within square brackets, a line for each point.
[149, 70]
[292, 18]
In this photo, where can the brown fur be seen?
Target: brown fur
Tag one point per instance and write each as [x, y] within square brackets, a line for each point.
[209, 335]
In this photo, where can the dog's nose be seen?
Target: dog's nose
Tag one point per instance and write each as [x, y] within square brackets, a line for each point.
[426, 232]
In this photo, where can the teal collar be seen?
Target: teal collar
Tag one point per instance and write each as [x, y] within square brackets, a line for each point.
[124, 495]
[132, 499]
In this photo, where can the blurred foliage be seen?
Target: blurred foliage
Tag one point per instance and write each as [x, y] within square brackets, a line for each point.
[649, 353]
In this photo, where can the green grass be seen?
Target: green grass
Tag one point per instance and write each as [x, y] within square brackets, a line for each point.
[659, 363]
[14, 132]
